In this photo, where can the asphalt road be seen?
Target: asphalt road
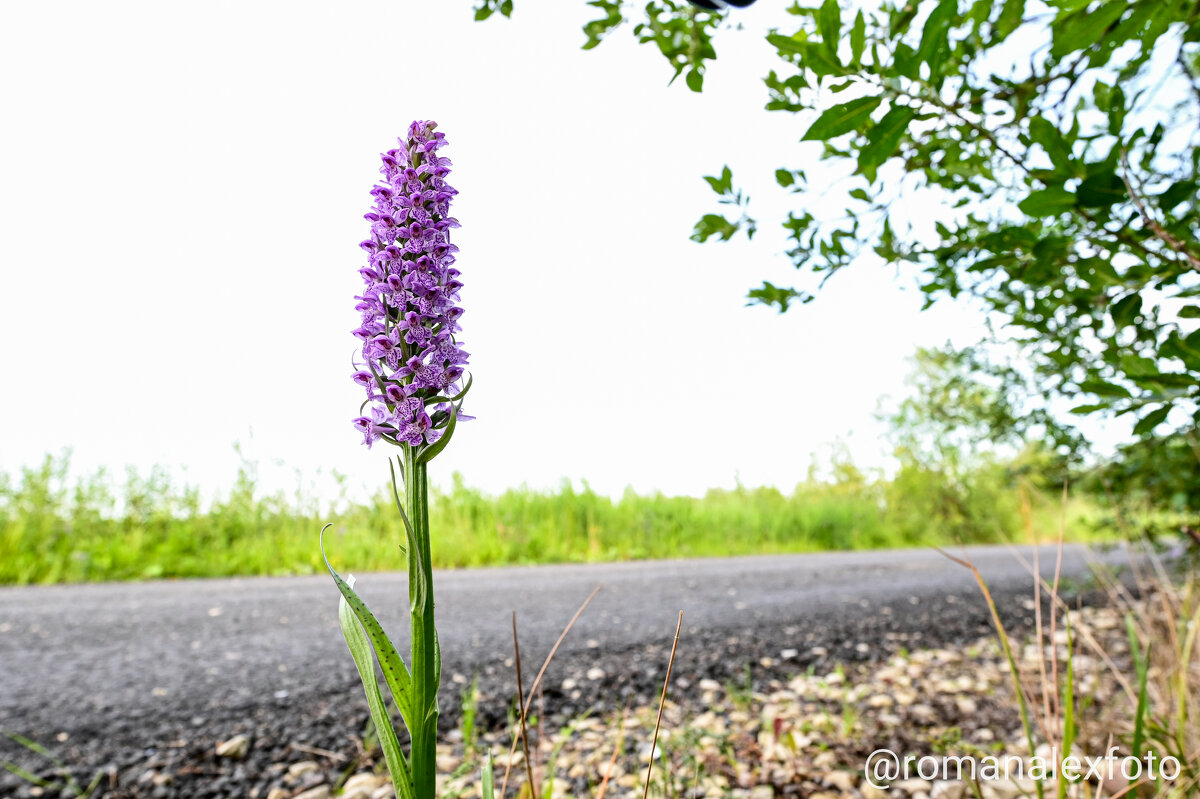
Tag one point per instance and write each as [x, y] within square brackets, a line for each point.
[107, 674]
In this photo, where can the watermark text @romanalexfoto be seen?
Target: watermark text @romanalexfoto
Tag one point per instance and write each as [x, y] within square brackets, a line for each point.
[884, 767]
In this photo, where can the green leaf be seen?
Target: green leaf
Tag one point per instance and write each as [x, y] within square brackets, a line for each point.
[1141, 667]
[723, 184]
[935, 41]
[396, 674]
[431, 451]
[1101, 190]
[1192, 340]
[784, 177]
[902, 17]
[1103, 388]
[1125, 310]
[1047, 202]
[1084, 28]
[360, 650]
[841, 119]
[1189, 312]
[1011, 14]
[884, 137]
[1116, 110]
[1185, 349]
[412, 550]
[713, 225]
[1164, 382]
[821, 61]
[488, 780]
[1177, 193]
[771, 294]
[829, 24]
[1136, 366]
[695, 80]
[858, 38]
[1045, 133]
[789, 45]
[1151, 420]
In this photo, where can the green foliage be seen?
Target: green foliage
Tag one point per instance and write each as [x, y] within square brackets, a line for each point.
[974, 442]
[470, 708]
[63, 784]
[967, 407]
[1057, 147]
[1154, 472]
[364, 661]
[716, 224]
[486, 8]
[55, 529]
[682, 33]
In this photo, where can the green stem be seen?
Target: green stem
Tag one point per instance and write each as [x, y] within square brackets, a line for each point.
[424, 642]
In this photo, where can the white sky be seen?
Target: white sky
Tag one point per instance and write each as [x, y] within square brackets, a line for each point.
[182, 189]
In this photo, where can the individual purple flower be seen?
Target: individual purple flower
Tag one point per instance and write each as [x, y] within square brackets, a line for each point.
[409, 307]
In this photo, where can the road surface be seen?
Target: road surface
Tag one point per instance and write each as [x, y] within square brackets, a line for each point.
[116, 675]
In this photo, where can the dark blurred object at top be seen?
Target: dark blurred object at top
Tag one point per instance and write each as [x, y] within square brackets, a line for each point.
[710, 5]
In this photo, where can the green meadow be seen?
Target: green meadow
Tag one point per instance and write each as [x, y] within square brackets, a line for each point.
[55, 528]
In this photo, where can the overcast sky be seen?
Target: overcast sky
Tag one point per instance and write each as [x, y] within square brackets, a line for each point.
[182, 189]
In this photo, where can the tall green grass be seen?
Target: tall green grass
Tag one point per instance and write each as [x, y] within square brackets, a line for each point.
[55, 528]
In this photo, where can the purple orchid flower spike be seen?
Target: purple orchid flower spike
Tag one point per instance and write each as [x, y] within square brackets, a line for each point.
[411, 368]
[410, 307]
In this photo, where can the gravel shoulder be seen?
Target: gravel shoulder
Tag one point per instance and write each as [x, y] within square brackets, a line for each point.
[133, 680]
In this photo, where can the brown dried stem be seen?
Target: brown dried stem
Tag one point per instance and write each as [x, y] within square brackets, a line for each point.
[524, 731]
[524, 706]
[661, 703]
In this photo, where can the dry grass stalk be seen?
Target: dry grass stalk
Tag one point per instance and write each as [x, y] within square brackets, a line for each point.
[537, 682]
[662, 702]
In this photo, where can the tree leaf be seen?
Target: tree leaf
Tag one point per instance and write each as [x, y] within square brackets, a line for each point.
[858, 37]
[1103, 388]
[841, 119]
[788, 45]
[934, 39]
[829, 25]
[885, 136]
[770, 294]
[1126, 309]
[722, 184]
[713, 225]
[822, 60]
[1011, 14]
[1046, 134]
[1151, 420]
[1084, 27]
[1047, 202]
[1101, 190]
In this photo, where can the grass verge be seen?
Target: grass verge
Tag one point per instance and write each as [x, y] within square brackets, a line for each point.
[57, 529]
